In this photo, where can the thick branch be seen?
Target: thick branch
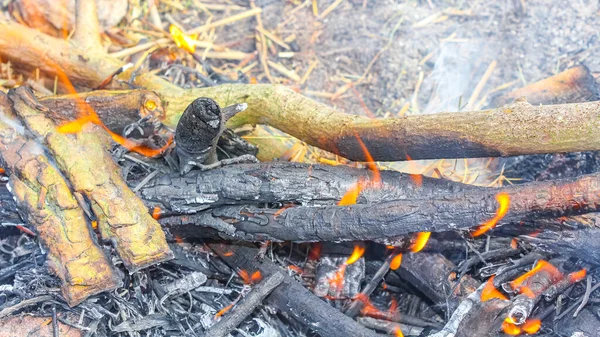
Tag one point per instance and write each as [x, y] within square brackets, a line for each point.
[253, 184]
[48, 205]
[122, 216]
[514, 130]
[462, 210]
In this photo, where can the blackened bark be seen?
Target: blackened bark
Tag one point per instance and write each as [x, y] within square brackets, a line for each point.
[257, 184]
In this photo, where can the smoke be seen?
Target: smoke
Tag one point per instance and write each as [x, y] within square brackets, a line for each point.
[452, 78]
[13, 123]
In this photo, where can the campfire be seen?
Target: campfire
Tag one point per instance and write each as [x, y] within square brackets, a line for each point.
[173, 168]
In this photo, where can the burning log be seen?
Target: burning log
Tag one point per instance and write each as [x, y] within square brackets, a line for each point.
[292, 298]
[116, 109]
[410, 209]
[358, 222]
[122, 217]
[48, 205]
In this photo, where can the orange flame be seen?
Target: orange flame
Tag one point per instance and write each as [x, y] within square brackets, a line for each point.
[94, 224]
[249, 280]
[337, 280]
[244, 275]
[351, 196]
[2, 170]
[489, 291]
[368, 307]
[396, 262]
[358, 252]
[514, 244]
[224, 310]
[420, 241]
[156, 213]
[91, 117]
[228, 253]
[25, 230]
[504, 202]
[417, 179]
[182, 40]
[510, 328]
[398, 333]
[393, 305]
[577, 276]
[315, 251]
[296, 269]
[256, 277]
[531, 326]
[541, 265]
[370, 162]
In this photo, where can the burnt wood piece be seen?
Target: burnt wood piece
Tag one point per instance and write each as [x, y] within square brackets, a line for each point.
[432, 274]
[197, 134]
[574, 85]
[463, 210]
[475, 318]
[437, 205]
[117, 109]
[581, 243]
[292, 298]
[254, 184]
[8, 207]
[246, 307]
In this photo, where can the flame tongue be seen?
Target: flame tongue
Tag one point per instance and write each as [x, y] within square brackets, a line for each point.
[504, 203]
[521, 283]
[420, 241]
[489, 291]
[186, 42]
[358, 252]
[351, 196]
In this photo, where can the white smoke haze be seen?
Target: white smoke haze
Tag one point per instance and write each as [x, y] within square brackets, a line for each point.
[13, 123]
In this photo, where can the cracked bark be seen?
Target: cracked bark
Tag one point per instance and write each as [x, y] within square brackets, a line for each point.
[48, 205]
[122, 217]
[462, 210]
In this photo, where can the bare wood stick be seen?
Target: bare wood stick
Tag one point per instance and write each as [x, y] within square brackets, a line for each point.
[246, 307]
[49, 206]
[122, 216]
[87, 27]
[473, 317]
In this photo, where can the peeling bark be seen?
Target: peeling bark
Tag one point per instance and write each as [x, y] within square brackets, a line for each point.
[122, 217]
[48, 205]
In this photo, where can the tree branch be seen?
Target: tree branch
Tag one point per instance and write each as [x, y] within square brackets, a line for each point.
[514, 130]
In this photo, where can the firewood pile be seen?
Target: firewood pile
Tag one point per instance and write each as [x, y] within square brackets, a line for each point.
[159, 181]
